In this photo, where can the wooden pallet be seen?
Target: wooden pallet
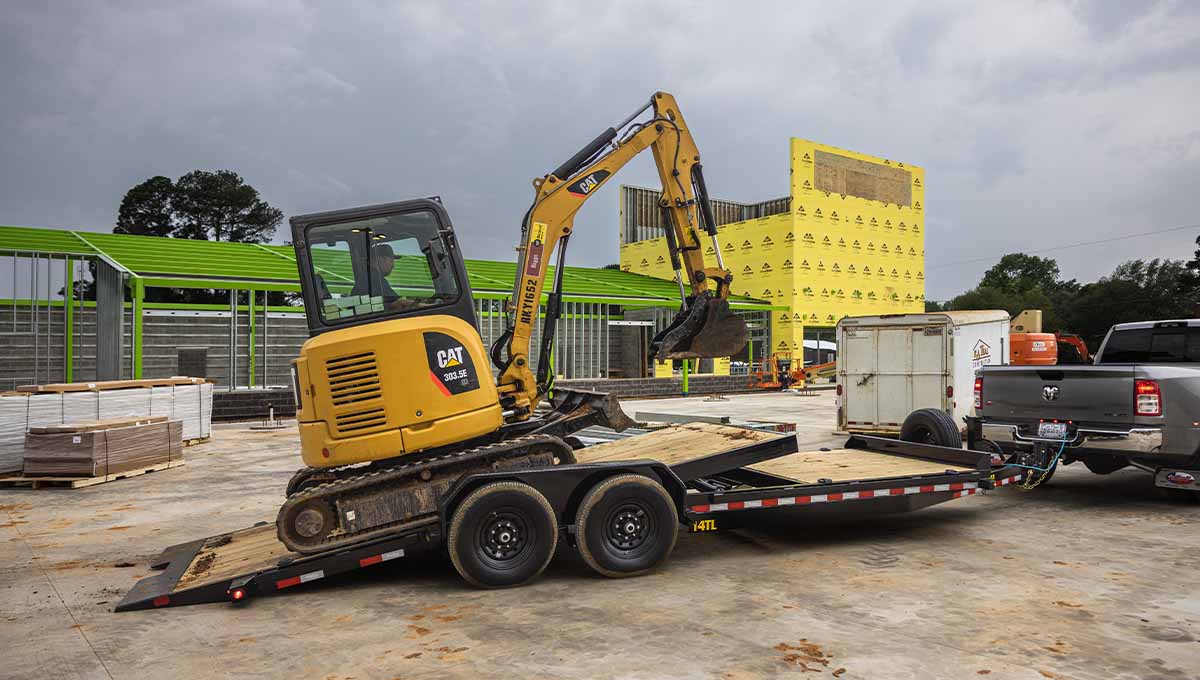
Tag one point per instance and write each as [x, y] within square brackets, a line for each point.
[78, 482]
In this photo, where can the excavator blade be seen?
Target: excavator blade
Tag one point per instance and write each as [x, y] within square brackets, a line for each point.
[707, 329]
[576, 409]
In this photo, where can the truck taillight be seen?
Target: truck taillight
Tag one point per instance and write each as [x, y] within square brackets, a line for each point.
[1147, 398]
[979, 393]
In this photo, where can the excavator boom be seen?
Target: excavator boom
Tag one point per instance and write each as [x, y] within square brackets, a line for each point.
[704, 327]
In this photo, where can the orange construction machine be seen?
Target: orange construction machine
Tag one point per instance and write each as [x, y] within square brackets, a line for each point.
[1029, 346]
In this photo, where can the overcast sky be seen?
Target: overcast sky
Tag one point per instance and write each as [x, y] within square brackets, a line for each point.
[1039, 124]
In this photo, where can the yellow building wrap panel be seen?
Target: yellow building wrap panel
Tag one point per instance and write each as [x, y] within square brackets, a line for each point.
[833, 254]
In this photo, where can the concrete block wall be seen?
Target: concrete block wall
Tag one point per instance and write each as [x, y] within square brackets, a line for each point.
[664, 387]
[253, 404]
[165, 332]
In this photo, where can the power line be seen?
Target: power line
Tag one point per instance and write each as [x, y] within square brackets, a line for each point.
[1069, 245]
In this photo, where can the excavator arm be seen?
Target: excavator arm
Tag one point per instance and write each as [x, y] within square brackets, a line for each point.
[704, 327]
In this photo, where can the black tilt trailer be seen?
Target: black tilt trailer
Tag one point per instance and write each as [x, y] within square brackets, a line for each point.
[620, 504]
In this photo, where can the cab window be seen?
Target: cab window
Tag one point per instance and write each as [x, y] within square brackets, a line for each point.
[381, 265]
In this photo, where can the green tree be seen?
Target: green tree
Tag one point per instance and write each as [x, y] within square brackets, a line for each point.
[1018, 272]
[1137, 290]
[202, 205]
[220, 206]
[147, 209]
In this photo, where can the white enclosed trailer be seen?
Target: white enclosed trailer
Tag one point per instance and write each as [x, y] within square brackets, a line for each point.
[894, 364]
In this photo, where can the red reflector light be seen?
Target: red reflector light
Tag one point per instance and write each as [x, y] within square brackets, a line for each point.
[839, 390]
[237, 594]
[325, 452]
[1147, 399]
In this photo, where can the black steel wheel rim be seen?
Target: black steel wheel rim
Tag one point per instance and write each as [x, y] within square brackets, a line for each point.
[505, 537]
[629, 528]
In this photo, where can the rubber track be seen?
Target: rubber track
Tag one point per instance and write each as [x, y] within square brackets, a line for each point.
[374, 478]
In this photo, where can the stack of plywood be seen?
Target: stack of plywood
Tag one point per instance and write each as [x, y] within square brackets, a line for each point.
[102, 447]
[188, 400]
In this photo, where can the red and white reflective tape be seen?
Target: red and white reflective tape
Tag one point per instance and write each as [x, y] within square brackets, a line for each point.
[964, 489]
[376, 559]
[297, 580]
[1007, 480]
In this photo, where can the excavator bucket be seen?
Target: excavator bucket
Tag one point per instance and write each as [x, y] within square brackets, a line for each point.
[577, 409]
[707, 329]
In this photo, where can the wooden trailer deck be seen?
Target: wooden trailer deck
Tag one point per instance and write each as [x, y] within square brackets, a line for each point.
[845, 465]
[676, 444]
[682, 443]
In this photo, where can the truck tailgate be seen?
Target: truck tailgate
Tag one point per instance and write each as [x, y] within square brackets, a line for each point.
[1091, 394]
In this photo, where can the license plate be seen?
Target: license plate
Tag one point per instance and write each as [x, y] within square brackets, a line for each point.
[1052, 430]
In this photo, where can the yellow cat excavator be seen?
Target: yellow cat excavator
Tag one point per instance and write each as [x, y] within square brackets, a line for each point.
[394, 397]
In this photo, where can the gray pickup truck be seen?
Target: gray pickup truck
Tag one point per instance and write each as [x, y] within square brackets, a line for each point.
[1138, 404]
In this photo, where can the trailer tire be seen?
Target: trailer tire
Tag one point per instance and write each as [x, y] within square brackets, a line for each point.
[626, 525]
[502, 535]
[931, 426]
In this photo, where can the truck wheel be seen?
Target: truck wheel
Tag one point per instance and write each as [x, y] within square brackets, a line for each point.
[502, 535]
[1104, 465]
[626, 525]
[931, 426]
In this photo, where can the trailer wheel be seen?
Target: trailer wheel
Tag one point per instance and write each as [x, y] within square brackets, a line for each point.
[931, 426]
[626, 525]
[502, 535]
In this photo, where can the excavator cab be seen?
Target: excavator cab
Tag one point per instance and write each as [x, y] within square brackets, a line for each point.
[364, 265]
[394, 364]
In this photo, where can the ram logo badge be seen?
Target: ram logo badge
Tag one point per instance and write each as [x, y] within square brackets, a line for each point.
[1050, 392]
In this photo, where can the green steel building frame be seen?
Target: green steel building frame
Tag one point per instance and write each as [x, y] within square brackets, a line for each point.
[156, 262]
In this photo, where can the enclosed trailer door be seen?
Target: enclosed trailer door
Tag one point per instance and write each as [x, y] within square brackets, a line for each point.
[895, 375]
[857, 356]
[930, 372]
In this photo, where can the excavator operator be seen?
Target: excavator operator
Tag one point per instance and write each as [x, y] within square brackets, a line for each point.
[382, 261]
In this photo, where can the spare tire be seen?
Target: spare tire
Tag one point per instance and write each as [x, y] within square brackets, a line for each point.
[931, 426]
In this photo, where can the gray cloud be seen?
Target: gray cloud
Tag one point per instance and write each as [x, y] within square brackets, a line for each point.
[1038, 123]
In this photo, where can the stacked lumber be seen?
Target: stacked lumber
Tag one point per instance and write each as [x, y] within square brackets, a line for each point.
[108, 385]
[102, 447]
[188, 400]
